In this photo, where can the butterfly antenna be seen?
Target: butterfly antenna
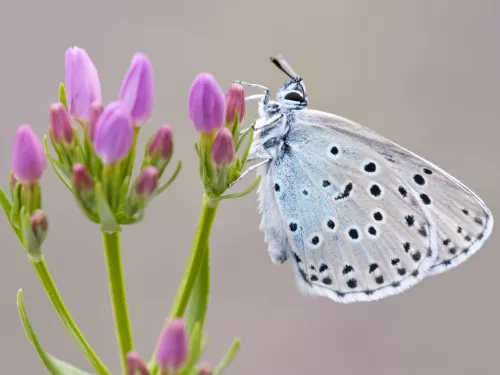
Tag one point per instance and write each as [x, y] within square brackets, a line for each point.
[285, 67]
[282, 65]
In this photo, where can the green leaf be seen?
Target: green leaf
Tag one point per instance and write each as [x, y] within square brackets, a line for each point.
[62, 96]
[106, 216]
[53, 365]
[233, 350]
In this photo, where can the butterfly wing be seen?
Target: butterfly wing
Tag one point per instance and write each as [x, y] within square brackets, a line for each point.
[463, 222]
[347, 205]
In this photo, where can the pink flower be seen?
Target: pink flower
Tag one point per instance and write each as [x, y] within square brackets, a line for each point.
[81, 82]
[137, 90]
[28, 156]
[207, 105]
[114, 134]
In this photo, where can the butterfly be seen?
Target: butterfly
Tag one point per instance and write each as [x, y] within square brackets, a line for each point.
[360, 217]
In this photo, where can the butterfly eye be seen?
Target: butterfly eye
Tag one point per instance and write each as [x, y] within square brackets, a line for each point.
[295, 96]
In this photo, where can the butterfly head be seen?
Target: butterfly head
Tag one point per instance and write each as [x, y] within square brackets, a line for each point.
[293, 93]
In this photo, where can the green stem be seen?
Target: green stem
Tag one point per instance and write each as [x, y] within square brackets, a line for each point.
[111, 242]
[200, 246]
[196, 258]
[54, 296]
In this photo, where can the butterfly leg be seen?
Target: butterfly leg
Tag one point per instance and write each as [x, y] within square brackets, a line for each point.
[250, 169]
[265, 97]
[253, 85]
[271, 122]
[254, 97]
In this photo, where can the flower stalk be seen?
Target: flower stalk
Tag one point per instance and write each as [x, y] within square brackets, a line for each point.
[111, 243]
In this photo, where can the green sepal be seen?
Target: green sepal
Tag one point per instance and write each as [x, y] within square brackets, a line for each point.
[7, 209]
[244, 157]
[88, 208]
[62, 96]
[61, 172]
[241, 194]
[243, 136]
[31, 197]
[106, 216]
[177, 170]
[233, 350]
[17, 203]
[53, 365]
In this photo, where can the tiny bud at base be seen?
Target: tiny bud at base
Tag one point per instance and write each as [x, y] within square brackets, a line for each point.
[136, 364]
[34, 229]
[222, 150]
[206, 369]
[147, 182]
[81, 178]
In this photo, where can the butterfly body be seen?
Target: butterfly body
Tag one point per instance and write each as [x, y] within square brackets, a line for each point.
[360, 217]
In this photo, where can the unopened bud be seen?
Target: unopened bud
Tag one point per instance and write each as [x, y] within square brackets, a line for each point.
[81, 179]
[147, 182]
[60, 124]
[222, 150]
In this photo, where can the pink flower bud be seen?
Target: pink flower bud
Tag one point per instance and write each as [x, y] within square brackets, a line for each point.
[207, 104]
[60, 124]
[147, 182]
[28, 156]
[39, 224]
[222, 150]
[161, 143]
[172, 350]
[235, 104]
[137, 90]
[114, 134]
[136, 364]
[81, 179]
[95, 112]
[81, 82]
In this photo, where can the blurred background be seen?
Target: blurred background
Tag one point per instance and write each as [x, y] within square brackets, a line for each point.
[425, 74]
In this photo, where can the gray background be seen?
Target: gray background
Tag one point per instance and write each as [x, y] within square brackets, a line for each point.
[424, 73]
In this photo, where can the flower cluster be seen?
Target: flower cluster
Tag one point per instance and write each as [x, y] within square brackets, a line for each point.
[218, 120]
[94, 149]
